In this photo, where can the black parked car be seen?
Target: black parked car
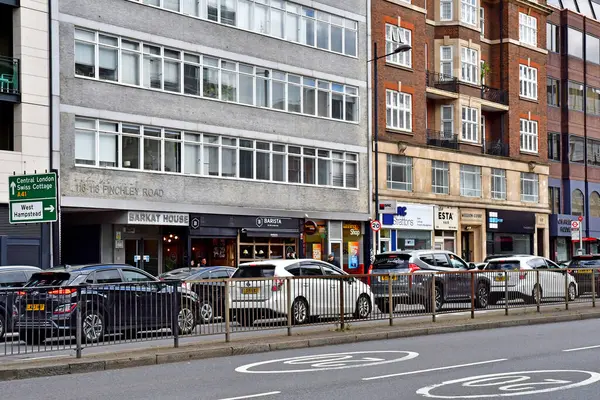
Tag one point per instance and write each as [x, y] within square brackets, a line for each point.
[581, 268]
[113, 299]
[211, 294]
[13, 276]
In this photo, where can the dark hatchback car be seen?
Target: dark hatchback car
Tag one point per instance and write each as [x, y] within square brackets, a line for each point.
[581, 268]
[211, 294]
[117, 299]
[11, 277]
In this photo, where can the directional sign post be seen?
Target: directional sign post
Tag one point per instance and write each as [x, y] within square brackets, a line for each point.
[32, 198]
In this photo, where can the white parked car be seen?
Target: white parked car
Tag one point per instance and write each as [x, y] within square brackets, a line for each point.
[521, 282]
[315, 294]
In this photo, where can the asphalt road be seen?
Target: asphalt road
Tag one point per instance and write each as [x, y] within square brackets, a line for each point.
[553, 361]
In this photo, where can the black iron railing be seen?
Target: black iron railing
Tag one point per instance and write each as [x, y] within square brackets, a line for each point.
[441, 81]
[448, 140]
[497, 148]
[493, 94]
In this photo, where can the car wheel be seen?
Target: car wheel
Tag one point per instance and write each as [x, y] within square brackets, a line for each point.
[186, 321]
[363, 307]
[439, 301]
[300, 311]
[535, 295]
[2, 325]
[92, 327]
[483, 295]
[572, 292]
[206, 312]
[384, 306]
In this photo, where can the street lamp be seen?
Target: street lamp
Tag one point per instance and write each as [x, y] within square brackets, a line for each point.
[402, 47]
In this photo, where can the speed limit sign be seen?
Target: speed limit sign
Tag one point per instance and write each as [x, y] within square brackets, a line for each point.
[375, 226]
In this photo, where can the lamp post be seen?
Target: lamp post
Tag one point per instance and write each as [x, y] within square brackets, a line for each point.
[403, 47]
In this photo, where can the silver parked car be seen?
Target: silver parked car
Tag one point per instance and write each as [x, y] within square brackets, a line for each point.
[416, 287]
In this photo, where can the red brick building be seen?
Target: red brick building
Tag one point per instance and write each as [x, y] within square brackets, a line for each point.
[462, 124]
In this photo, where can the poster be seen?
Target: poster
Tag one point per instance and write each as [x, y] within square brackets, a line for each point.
[352, 255]
[316, 251]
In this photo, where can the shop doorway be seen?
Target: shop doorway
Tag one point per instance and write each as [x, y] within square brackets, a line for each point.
[143, 254]
[540, 242]
[336, 249]
[467, 238]
[217, 252]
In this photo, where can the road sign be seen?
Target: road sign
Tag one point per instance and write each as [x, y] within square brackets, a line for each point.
[32, 198]
[580, 218]
[575, 224]
[375, 225]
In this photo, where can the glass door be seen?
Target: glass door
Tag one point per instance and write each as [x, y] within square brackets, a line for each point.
[143, 254]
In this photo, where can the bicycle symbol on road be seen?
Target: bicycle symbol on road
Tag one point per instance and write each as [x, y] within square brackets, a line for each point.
[510, 384]
[323, 362]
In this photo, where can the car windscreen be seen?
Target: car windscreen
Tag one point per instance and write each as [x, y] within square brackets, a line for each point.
[391, 261]
[54, 279]
[503, 265]
[178, 274]
[585, 262]
[255, 271]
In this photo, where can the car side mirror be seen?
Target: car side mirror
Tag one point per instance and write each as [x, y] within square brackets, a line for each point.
[472, 266]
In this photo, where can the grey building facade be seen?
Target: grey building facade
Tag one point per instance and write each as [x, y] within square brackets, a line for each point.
[225, 130]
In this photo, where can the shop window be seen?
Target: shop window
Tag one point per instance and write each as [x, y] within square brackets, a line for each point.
[577, 202]
[413, 240]
[595, 204]
[253, 249]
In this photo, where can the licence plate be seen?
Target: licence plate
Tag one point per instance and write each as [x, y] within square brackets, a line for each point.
[387, 278]
[583, 271]
[36, 307]
[252, 290]
[500, 278]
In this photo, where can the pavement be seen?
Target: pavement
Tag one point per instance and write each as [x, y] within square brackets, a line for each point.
[557, 361]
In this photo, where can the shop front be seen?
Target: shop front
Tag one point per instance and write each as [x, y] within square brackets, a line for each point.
[471, 234]
[408, 227]
[446, 224]
[510, 232]
[560, 237]
[226, 240]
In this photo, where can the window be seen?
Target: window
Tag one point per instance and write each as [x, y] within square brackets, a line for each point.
[576, 149]
[595, 204]
[469, 60]
[470, 181]
[529, 135]
[482, 21]
[575, 93]
[134, 276]
[554, 198]
[394, 36]
[575, 42]
[172, 70]
[121, 145]
[577, 202]
[528, 82]
[281, 19]
[553, 89]
[592, 49]
[398, 110]
[447, 120]
[470, 123]
[529, 187]
[468, 11]
[593, 152]
[446, 62]
[498, 184]
[554, 146]
[552, 38]
[12, 279]
[527, 29]
[446, 10]
[593, 100]
[440, 177]
[399, 172]
[108, 276]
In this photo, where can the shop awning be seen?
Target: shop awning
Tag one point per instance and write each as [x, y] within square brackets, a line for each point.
[211, 232]
[284, 233]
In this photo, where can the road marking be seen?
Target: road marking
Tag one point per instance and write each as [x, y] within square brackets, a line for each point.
[506, 384]
[326, 362]
[252, 396]
[582, 348]
[435, 369]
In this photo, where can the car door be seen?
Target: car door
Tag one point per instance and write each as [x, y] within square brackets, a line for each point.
[217, 291]
[335, 284]
[152, 303]
[106, 283]
[558, 277]
[318, 291]
[547, 279]
[449, 279]
[463, 279]
[8, 281]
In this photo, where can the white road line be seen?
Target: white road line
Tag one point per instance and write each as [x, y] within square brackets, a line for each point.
[252, 396]
[435, 369]
[582, 348]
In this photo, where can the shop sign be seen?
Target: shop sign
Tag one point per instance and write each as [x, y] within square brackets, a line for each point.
[353, 250]
[198, 221]
[471, 215]
[316, 251]
[560, 225]
[410, 217]
[511, 221]
[446, 218]
[353, 229]
[388, 207]
[157, 218]
[310, 227]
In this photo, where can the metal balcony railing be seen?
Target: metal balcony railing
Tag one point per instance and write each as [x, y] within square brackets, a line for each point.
[442, 139]
[493, 94]
[9, 75]
[441, 81]
[497, 148]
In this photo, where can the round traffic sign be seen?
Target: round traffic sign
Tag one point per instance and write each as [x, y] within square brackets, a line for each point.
[580, 218]
[575, 224]
[375, 225]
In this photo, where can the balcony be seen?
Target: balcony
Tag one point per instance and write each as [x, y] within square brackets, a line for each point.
[9, 80]
[447, 140]
[440, 86]
[497, 148]
[494, 99]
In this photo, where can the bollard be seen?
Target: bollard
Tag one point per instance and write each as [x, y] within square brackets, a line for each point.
[472, 295]
[390, 300]
[175, 307]
[342, 324]
[593, 287]
[289, 305]
[537, 296]
[79, 323]
[433, 310]
[566, 290]
[505, 293]
[227, 311]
